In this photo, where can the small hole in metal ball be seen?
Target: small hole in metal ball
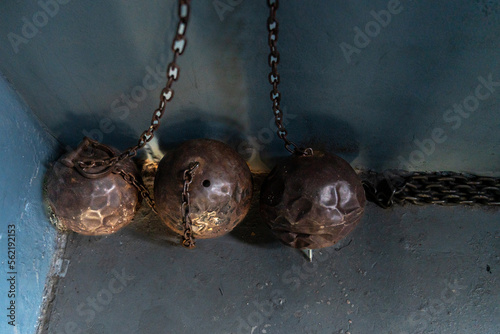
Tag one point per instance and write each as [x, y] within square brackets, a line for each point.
[206, 183]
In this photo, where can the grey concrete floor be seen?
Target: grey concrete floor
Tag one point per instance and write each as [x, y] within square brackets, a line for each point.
[403, 270]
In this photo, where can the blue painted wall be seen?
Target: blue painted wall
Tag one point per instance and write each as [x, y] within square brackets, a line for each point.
[26, 149]
[379, 90]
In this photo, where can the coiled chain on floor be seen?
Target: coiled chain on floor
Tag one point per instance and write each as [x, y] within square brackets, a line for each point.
[442, 188]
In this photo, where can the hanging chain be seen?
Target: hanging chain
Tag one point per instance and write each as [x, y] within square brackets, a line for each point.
[274, 80]
[188, 238]
[178, 45]
[131, 179]
[442, 188]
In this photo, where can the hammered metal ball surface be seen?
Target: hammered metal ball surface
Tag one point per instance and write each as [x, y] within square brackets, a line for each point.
[220, 193]
[91, 206]
[312, 201]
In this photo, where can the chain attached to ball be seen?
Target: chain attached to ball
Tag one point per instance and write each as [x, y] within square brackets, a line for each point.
[188, 239]
[216, 187]
[173, 70]
[309, 200]
[95, 189]
[92, 201]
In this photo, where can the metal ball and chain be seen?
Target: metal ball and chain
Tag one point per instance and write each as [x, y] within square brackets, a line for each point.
[312, 199]
[79, 177]
[95, 189]
[215, 185]
[203, 189]
[95, 201]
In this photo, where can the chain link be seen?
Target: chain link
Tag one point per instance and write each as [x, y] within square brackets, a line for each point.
[442, 188]
[188, 238]
[131, 179]
[417, 188]
[178, 46]
[274, 80]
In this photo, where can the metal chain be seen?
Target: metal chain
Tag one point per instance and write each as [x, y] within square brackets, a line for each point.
[274, 80]
[131, 179]
[442, 188]
[188, 238]
[178, 46]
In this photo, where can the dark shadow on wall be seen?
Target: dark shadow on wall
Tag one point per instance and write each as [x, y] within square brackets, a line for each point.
[172, 132]
[75, 126]
[199, 124]
[322, 132]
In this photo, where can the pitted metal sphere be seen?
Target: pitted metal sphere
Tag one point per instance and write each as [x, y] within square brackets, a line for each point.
[220, 193]
[312, 201]
[88, 206]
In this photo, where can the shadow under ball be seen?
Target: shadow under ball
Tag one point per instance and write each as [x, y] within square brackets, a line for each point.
[312, 201]
[88, 206]
[220, 193]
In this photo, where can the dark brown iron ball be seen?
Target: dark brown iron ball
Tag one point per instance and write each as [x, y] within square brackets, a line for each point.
[220, 193]
[312, 201]
[91, 206]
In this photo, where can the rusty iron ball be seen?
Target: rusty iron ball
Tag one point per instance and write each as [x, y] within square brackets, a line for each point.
[91, 206]
[220, 192]
[312, 201]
